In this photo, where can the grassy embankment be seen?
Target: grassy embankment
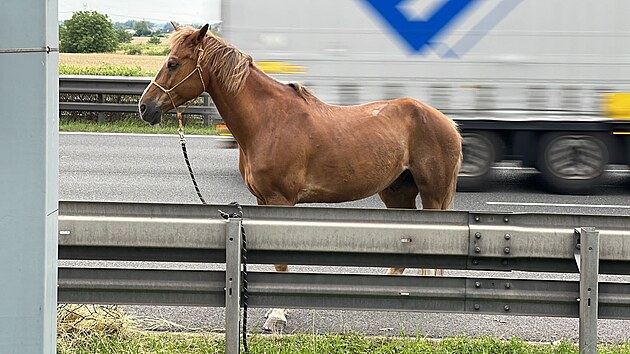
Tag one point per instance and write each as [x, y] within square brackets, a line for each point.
[107, 329]
[145, 342]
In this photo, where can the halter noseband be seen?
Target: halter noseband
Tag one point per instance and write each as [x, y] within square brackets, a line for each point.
[197, 69]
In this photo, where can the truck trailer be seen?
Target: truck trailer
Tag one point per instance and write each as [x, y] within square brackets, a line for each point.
[543, 83]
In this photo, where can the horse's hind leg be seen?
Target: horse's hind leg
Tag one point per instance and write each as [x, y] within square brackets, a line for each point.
[430, 202]
[276, 319]
[437, 192]
[434, 197]
[400, 194]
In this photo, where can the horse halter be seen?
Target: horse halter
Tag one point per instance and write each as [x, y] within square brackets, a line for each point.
[180, 131]
[198, 70]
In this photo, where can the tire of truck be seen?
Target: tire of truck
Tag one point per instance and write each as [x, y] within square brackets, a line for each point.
[572, 163]
[480, 150]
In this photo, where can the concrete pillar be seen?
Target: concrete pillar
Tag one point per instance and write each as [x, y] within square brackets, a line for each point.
[29, 94]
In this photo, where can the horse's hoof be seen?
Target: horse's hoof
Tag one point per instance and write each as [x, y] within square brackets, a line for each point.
[274, 326]
[275, 323]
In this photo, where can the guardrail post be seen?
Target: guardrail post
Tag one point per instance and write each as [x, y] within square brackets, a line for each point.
[589, 270]
[206, 117]
[233, 244]
[101, 115]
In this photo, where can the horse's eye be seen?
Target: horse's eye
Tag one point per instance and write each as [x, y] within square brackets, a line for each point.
[171, 64]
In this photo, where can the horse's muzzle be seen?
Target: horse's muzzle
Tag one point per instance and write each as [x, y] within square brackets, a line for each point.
[150, 112]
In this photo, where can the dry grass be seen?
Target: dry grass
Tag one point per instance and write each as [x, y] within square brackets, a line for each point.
[76, 320]
[146, 62]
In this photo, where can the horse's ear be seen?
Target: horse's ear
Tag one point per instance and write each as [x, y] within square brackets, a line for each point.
[201, 33]
[175, 26]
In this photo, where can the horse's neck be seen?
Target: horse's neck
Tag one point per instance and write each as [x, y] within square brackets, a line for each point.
[243, 112]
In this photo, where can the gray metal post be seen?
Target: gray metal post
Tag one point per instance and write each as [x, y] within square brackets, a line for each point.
[206, 117]
[101, 115]
[589, 270]
[233, 244]
[29, 95]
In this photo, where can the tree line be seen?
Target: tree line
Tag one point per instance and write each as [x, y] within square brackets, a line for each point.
[93, 32]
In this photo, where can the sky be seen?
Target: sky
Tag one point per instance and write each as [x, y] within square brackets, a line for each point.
[181, 11]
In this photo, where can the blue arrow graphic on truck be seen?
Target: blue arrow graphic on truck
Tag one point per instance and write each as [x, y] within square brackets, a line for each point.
[419, 34]
[422, 34]
[484, 26]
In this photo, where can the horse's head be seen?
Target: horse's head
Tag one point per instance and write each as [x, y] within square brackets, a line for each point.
[180, 79]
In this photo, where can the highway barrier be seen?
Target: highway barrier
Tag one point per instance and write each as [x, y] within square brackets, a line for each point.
[584, 244]
[73, 88]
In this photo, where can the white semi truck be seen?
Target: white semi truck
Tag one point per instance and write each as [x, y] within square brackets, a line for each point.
[542, 82]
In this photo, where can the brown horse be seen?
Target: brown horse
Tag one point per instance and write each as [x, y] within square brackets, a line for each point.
[295, 148]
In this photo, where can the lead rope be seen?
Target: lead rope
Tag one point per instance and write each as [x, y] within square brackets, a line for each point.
[239, 215]
[182, 142]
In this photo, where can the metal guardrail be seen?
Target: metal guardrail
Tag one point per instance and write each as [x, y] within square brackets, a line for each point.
[355, 237]
[113, 85]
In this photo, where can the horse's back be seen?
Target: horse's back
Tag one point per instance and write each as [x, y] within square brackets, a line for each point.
[417, 114]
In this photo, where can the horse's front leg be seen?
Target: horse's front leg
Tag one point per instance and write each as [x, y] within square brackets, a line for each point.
[276, 319]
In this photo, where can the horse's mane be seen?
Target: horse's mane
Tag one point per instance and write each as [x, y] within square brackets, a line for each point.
[228, 63]
[303, 91]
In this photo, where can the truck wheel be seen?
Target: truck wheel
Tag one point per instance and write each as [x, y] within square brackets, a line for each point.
[479, 153]
[572, 163]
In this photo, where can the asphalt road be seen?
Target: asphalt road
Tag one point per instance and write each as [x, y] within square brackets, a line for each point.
[140, 168]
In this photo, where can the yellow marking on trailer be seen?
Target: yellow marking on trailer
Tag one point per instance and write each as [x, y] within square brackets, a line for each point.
[279, 67]
[617, 105]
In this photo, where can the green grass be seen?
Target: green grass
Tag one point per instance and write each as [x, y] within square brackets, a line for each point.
[105, 69]
[139, 342]
[88, 329]
[133, 125]
[145, 49]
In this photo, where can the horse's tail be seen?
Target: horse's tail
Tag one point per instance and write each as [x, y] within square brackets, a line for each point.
[450, 194]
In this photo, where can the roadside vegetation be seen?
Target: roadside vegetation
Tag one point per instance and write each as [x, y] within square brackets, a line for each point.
[182, 343]
[104, 69]
[132, 123]
[107, 329]
[145, 49]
